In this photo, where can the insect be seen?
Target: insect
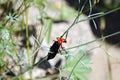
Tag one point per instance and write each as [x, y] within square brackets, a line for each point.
[55, 48]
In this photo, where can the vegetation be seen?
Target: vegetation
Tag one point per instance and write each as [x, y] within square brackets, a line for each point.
[16, 20]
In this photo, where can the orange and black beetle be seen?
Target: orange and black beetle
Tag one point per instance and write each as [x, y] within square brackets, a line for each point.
[55, 47]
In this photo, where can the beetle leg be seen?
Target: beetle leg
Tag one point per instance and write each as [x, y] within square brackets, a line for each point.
[61, 46]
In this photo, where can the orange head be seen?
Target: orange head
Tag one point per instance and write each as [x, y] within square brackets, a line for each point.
[61, 40]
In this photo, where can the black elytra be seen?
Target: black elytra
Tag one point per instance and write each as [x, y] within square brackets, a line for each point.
[53, 50]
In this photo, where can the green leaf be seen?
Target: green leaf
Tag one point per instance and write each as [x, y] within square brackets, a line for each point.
[81, 69]
[2, 63]
[81, 76]
[4, 34]
[49, 29]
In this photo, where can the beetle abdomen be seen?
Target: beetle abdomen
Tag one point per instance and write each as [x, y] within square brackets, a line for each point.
[53, 50]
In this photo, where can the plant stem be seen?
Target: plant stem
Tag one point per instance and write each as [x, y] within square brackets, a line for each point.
[76, 19]
[90, 18]
[29, 68]
[75, 66]
[109, 68]
[116, 33]
[108, 64]
[94, 17]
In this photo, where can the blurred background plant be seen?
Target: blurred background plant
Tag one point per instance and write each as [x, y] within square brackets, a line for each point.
[14, 21]
[103, 24]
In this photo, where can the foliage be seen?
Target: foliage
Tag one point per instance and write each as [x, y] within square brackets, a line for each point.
[6, 46]
[15, 20]
[78, 64]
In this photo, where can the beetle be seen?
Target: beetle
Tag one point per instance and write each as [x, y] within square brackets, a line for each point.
[55, 48]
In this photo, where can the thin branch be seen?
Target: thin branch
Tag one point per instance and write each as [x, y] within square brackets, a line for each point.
[75, 66]
[94, 40]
